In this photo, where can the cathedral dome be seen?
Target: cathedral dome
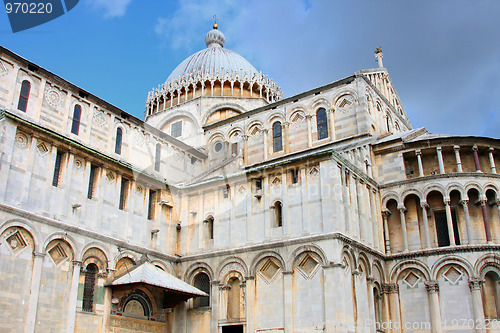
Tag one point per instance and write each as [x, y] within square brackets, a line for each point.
[214, 59]
[212, 72]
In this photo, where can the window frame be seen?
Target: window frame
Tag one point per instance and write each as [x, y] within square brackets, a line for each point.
[176, 129]
[75, 124]
[277, 137]
[24, 98]
[322, 127]
[118, 140]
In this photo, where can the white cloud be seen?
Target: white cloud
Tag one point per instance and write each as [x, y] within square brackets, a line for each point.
[110, 8]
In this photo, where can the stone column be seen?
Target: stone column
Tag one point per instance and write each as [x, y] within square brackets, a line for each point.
[476, 158]
[477, 303]
[402, 211]
[427, 238]
[286, 137]
[107, 308]
[309, 131]
[439, 152]
[266, 143]
[34, 291]
[486, 220]
[468, 225]
[457, 157]
[330, 299]
[392, 290]
[433, 289]
[287, 300]
[331, 126]
[373, 218]
[70, 326]
[223, 294]
[418, 152]
[492, 160]
[245, 149]
[385, 216]
[449, 220]
[250, 300]
[214, 300]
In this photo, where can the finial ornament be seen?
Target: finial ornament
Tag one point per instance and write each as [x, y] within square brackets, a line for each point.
[379, 55]
[215, 24]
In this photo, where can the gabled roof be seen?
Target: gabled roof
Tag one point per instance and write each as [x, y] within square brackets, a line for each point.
[149, 274]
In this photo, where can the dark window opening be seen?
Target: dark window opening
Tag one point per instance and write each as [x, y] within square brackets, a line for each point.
[322, 124]
[152, 205]
[77, 114]
[92, 181]
[278, 207]
[277, 140]
[225, 192]
[258, 184]
[88, 288]
[234, 149]
[24, 96]
[202, 282]
[57, 169]
[123, 194]
[295, 176]
[232, 329]
[442, 228]
[118, 143]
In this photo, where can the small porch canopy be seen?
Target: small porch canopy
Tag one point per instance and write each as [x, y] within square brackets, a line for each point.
[176, 290]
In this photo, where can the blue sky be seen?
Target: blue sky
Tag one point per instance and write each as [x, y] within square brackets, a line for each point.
[442, 55]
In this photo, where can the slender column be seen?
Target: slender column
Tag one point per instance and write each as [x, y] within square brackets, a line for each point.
[250, 299]
[402, 211]
[433, 289]
[427, 238]
[332, 123]
[492, 160]
[373, 218]
[34, 291]
[477, 303]
[107, 308]
[309, 130]
[393, 294]
[385, 216]
[266, 153]
[77, 265]
[486, 220]
[439, 152]
[457, 157]
[245, 149]
[287, 136]
[331, 304]
[287, 295]
[418, 152]
[223, 294]
[449, 220]
[214, 300]
[476, 158]
[468, 225]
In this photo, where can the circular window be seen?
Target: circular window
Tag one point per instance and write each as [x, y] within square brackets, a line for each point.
[218, 146]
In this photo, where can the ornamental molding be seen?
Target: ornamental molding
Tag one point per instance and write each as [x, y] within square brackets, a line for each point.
[53, 96]
[3, 69]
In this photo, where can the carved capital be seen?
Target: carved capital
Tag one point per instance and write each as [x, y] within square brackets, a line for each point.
[287, 272]
[402, 209]
[424, 205]
[392, 288]
[464, 202]
[456, 148]
[38, 254]
[475, 284]
[418, 152]
[447, 201]
[309, 116]
[77, 263]
[432, 286]
[474, 148]
[386, 213]
[439, 148]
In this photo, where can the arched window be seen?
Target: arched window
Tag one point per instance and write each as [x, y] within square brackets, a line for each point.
[157, 157]
[278, 213]
[88, 288]
[209, 222]
[377, 304]
[118, 143]
[322, 122]
[24, 96]
[77, 113]
[490, 295]
[202, 282]
[277, 141]
[233, 302]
